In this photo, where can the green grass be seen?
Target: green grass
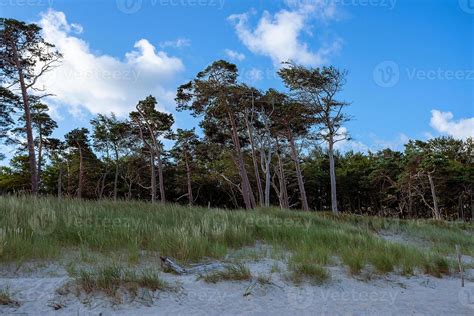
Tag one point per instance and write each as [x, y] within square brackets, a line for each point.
[232, 273]
[312, 272]
[43, 228]
[6, 298]
[109, 279]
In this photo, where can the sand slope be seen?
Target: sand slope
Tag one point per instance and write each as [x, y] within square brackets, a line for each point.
[344, 295]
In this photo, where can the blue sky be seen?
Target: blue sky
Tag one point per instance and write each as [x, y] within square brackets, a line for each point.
[410, 62]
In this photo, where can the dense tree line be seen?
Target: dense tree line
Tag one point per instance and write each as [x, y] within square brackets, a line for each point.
[255, 149]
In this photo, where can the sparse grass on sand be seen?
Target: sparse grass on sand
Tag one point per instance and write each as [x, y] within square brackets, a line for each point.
[41, 228]
[108, 279]
[6, 298]
[232, 273]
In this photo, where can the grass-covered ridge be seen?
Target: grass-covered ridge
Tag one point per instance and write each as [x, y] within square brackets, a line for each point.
[40, 228]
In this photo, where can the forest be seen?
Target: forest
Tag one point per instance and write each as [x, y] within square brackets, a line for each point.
[253, 148]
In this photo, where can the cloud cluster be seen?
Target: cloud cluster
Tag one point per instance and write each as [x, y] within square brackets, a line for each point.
[234, 55]
[278, 35]
[443, 123]
[178, 43]
[101, 83]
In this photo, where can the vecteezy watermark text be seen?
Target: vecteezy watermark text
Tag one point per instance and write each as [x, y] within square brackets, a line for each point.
[388, 73]
[26, 3]
[390, 4]
[133, 6]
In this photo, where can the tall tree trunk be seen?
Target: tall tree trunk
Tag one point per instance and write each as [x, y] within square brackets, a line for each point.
[102, 184]
[40, 156]
[116, 174]
[410, 198]
[299, 175]
[472, 207]
[247, 194]
[68, 183]
[160, 179]
[332, 171]
[255, 162]
[60, 183]
[29, 130]
[153, 176]
[437, 214]
[267, 181]
[283, 196]
[188, 175]
[81, 173]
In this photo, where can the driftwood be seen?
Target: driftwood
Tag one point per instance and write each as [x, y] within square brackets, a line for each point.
[461, 270]
[195, 269]
[250, 287]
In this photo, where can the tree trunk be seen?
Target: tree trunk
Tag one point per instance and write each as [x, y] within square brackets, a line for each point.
[410, 199]
[81, 173]
[153, 176]
[437, 214]
[283, 196]
[102, 184]
[332, 171]
[188, 175]
[40, 156]
[247, 194]
[299, 175]
[255, 162]
[160, 179]
[68, 184]
[267, 182]
[116, 174]
[60, 182]
[29, 130]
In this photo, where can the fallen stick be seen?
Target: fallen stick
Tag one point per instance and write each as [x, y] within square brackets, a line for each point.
[170, 264]
[195, 269]
[461, 270]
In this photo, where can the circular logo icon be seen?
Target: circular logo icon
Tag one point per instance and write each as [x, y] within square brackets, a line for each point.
[129, 6]
[466, 296]
[300, 297]
[387, 74]
[43, 221]
[467, 6]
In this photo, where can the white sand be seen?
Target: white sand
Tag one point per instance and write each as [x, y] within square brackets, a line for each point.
[391, 295]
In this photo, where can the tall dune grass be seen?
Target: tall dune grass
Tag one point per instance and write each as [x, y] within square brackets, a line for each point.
[42, 228]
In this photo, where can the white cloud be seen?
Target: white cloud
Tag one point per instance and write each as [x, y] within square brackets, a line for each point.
[396, 143]
[252, 75]
[324, 10]
[234, 55]
[102, 83]
[351, 145]
[278, 36]
[178, 43]
[344, 145]
[443, 123]
[373, 144]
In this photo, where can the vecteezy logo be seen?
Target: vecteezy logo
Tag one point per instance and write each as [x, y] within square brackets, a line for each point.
[386, 74]
[467, 6]
[129, 6]
[300, 297]
[43, 221]
[466, 296]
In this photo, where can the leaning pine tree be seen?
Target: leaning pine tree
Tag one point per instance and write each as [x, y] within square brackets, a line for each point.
[215, 94]
[24, 57]
[317, 88]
